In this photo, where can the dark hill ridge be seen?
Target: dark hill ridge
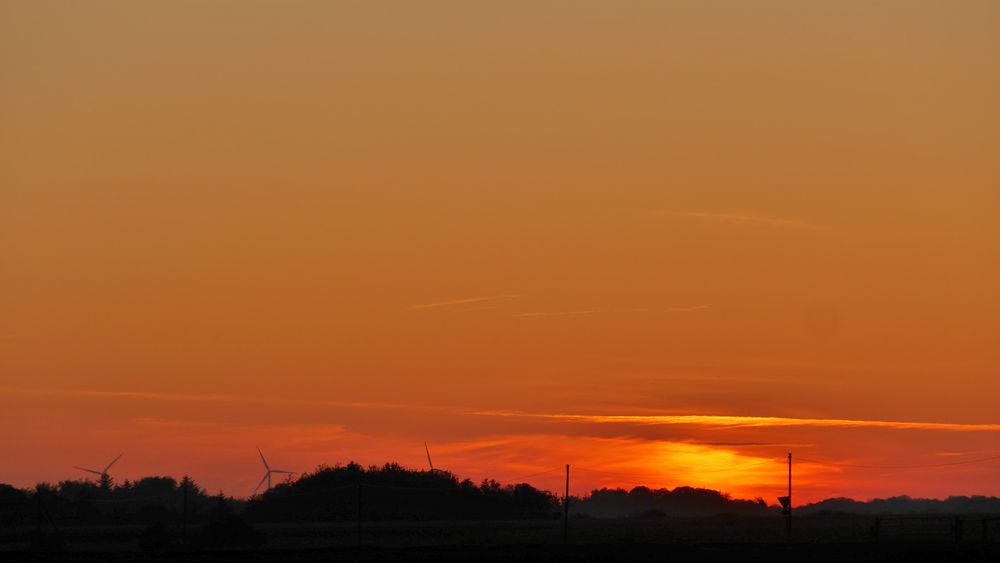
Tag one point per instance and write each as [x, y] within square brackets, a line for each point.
[905, 505]
[392, 492]
[681, 501]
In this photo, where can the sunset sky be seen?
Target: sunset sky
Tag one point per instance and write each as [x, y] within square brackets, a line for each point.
[666, 242]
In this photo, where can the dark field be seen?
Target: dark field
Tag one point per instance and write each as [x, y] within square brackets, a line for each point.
[817, 538]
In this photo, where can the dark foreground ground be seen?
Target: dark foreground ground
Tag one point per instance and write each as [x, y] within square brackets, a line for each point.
[817, 539]
[813, 553]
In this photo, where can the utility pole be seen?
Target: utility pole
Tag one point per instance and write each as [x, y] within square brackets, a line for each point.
[184, 532]
[38, 499]
[786, 501]
[788, 513]
[566, 510]
[359, 513]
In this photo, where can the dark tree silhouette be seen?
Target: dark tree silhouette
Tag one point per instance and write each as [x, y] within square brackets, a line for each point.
[682, 501]
[906, 505]
[146, 501]
[392, 492]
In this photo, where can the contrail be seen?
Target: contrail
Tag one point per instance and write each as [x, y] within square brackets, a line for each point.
[461, 301]
[750, 421]
[584, 312]
[739, 218]
[688, 309]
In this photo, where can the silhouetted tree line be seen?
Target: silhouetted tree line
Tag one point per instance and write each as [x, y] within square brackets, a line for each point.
[682, 501]
[905, 505]
[392, 492]
[146, 501]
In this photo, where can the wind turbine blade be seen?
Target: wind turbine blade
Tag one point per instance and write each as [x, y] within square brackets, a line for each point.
[255, 489]
[113, 462]
[266, 466]
[94, 471]
[429, 462]
[282, 471]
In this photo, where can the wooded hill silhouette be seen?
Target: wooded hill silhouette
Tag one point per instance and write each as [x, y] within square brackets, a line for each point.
[681, 501]
[392, 492]
[905, 505]
[148, 500]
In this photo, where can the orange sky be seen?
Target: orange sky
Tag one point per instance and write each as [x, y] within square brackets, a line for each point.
[338, 230]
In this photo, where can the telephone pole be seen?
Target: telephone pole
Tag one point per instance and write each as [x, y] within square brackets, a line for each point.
[786, 501]
[359, 513]
[38, 501]
[566, 510]
[184, 532]
[788, 512]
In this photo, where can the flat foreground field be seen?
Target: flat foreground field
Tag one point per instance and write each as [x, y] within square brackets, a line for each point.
[816, 539]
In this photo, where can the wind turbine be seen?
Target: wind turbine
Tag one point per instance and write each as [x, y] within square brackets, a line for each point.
[103, 474]
[267, 474]
[429, 461]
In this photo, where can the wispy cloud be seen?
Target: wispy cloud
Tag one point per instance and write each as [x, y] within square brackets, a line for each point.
[464, 301]
[968, 452]
[751, 444]
[584, 312]
[216, 431]
[610, 311]
[750, 421]
[749, 219]
[202, 398]
[647, 378]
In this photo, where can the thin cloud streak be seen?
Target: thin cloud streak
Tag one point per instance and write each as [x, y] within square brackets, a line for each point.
[746, 219]
[464, 301]
[183, 397]
[687, 419]
[608, 311]
[750, 421]
[584, 312]
[645, 378]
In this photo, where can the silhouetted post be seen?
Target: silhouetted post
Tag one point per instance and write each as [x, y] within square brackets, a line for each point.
[359, 513]
[38, 501]
[566, 510]
[788, 513]
[184, 527]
